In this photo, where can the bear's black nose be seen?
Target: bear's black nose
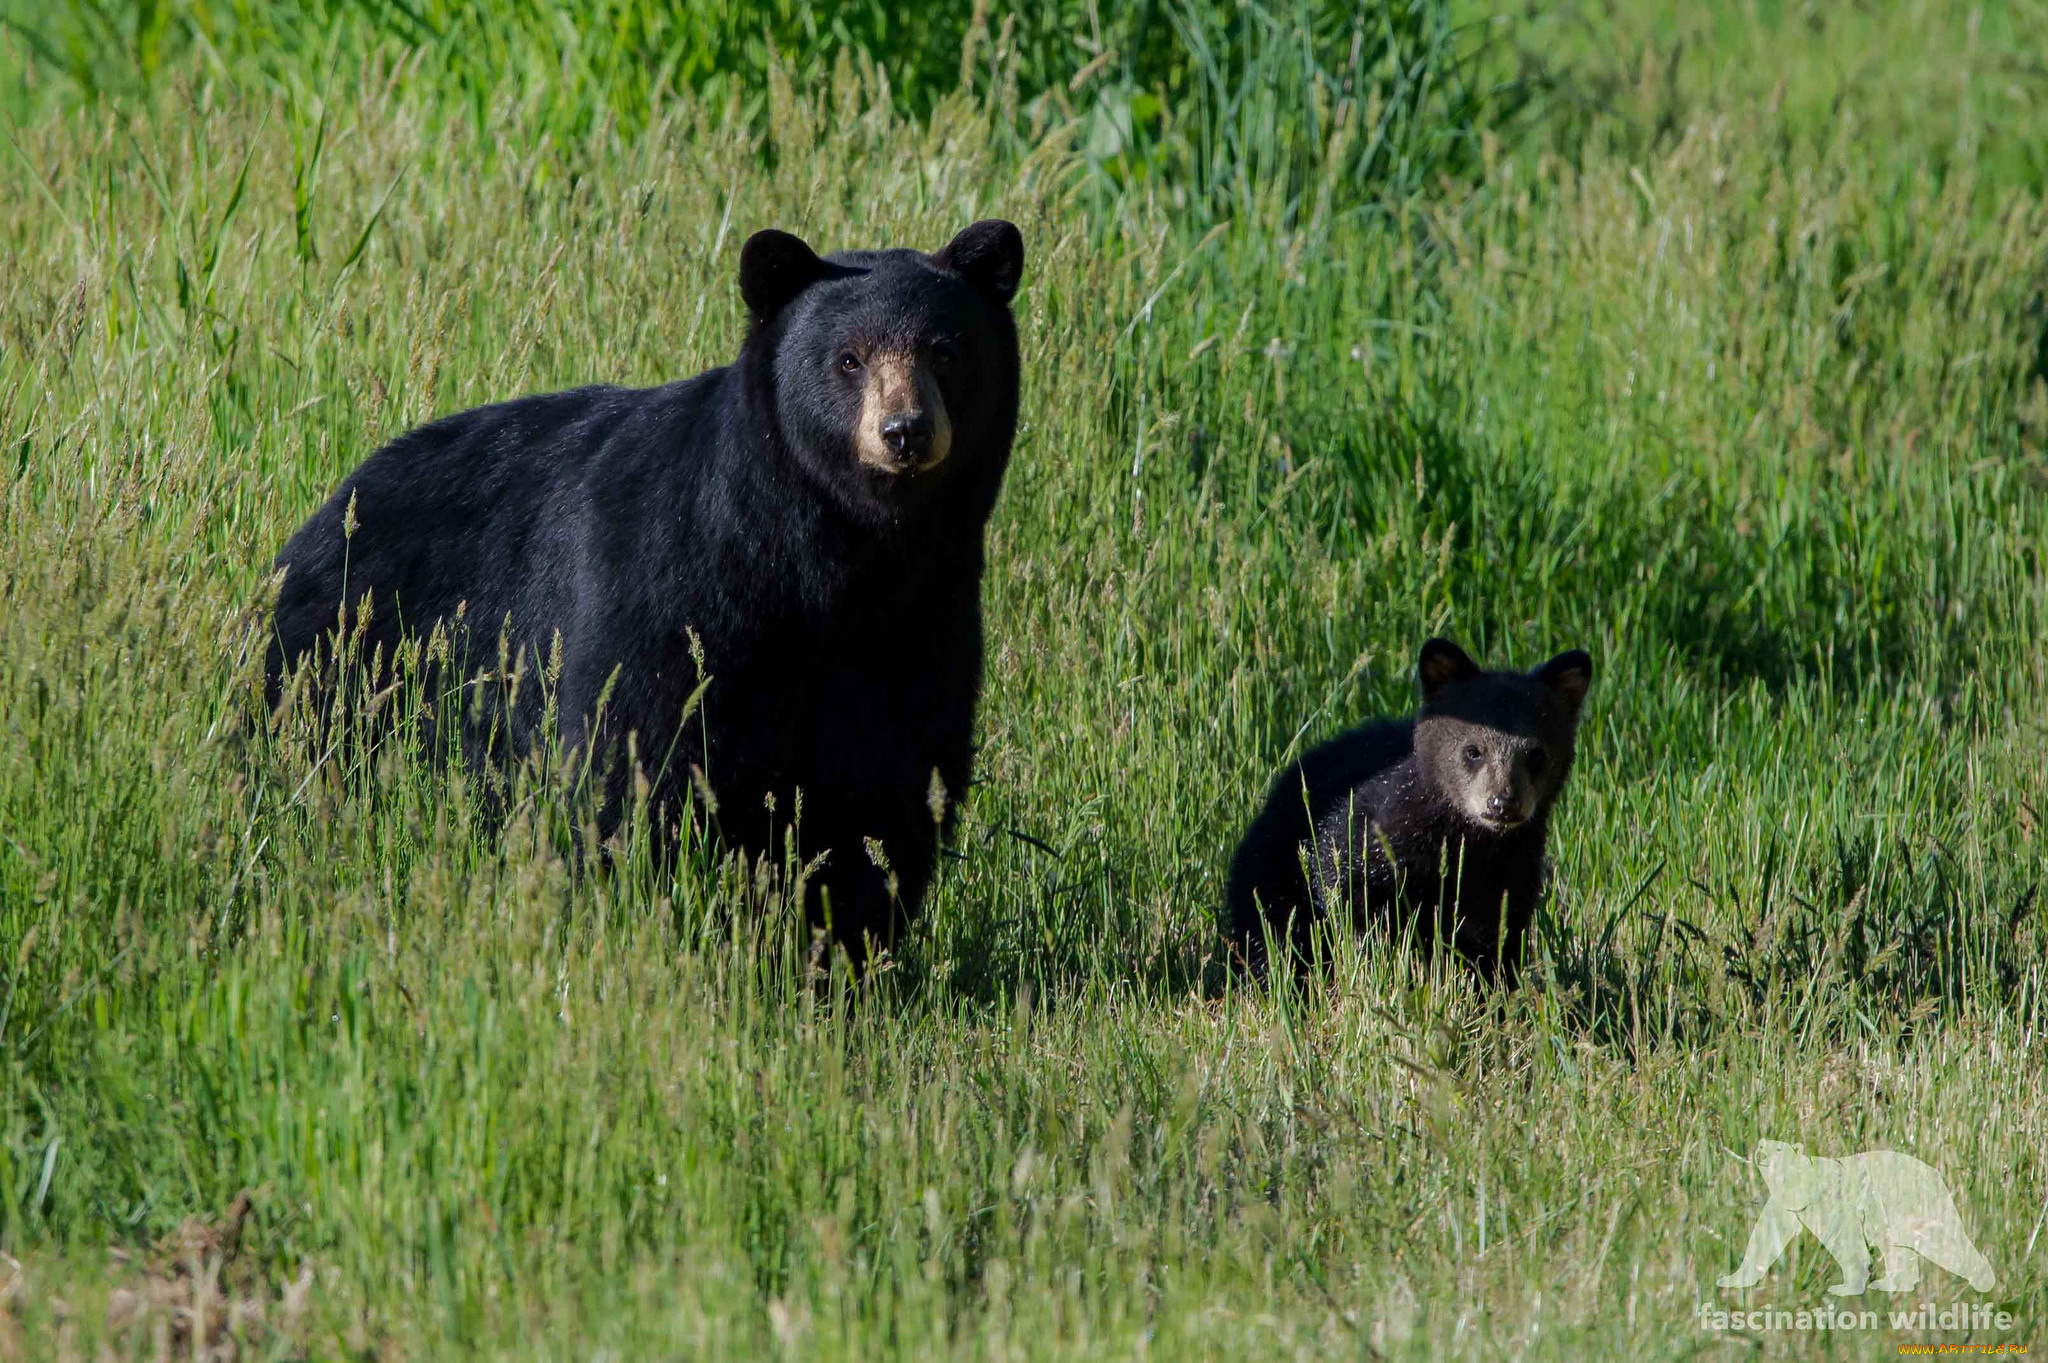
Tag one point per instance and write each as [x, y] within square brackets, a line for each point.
[908, 435]
[1497, 803]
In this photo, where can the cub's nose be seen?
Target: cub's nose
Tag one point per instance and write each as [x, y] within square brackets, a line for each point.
[1497, 804]
[908, 435]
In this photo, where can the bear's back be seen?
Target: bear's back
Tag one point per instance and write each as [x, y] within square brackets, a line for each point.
[1266, 880]
[484, 512]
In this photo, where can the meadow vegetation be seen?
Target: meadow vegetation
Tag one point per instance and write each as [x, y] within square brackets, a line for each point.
[1713, 339]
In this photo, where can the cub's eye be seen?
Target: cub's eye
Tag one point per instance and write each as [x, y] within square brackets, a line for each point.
[944, 353]
[849, 363]
[1538, 760]
[1472, 753]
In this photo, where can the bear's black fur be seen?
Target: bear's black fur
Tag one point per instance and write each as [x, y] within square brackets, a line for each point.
[1426, 825]
[811, 514]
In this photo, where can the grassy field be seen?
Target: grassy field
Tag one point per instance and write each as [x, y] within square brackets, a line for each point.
[1711, 339]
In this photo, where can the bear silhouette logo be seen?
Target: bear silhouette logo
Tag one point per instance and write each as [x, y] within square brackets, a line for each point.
[1880, 1198]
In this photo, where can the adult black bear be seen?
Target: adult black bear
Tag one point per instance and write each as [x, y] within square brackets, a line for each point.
[1432, 826]
[811, 516]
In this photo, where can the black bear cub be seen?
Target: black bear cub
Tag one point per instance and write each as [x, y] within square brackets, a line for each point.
[1432, 826]
[808, 521]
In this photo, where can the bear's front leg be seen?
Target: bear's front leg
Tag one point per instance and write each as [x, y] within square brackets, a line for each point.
[870, 887]
[1521, 914]
[1775, 1228]
[1901, 1270]
[1843, 1238]
[849, 901]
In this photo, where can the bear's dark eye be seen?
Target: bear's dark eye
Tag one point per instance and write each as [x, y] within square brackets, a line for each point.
[944, 353]
[849, 363]
[1538, 759]
[1472, 753]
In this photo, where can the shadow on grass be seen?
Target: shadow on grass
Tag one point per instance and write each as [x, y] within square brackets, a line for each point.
[1627, 1000]
[1075, 929]
[1739, 602]
[1910, 936]
[1909, 940]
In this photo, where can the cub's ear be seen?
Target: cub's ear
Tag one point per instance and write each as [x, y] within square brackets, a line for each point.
[1442, 663]
[1569, 675]
[774, 268]
[990, 253]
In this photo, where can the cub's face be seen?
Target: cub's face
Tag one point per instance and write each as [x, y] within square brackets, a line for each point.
[891, 369]
[1498, 745]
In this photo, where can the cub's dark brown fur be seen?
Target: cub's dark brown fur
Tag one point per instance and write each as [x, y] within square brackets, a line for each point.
[1432, 826]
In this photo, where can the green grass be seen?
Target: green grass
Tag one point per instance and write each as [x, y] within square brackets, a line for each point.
[1748, 396]
[1220, 104]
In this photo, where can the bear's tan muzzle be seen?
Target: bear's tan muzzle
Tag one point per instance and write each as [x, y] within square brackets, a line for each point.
[903, 423]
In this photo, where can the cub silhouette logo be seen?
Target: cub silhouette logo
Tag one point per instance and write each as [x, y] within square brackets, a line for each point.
[1880, 1198]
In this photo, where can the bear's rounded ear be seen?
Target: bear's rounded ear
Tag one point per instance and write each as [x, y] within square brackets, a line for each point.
[1442, 663]
[774, 268]
[1798, 1181]
[990, 253]
[1570, 675]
